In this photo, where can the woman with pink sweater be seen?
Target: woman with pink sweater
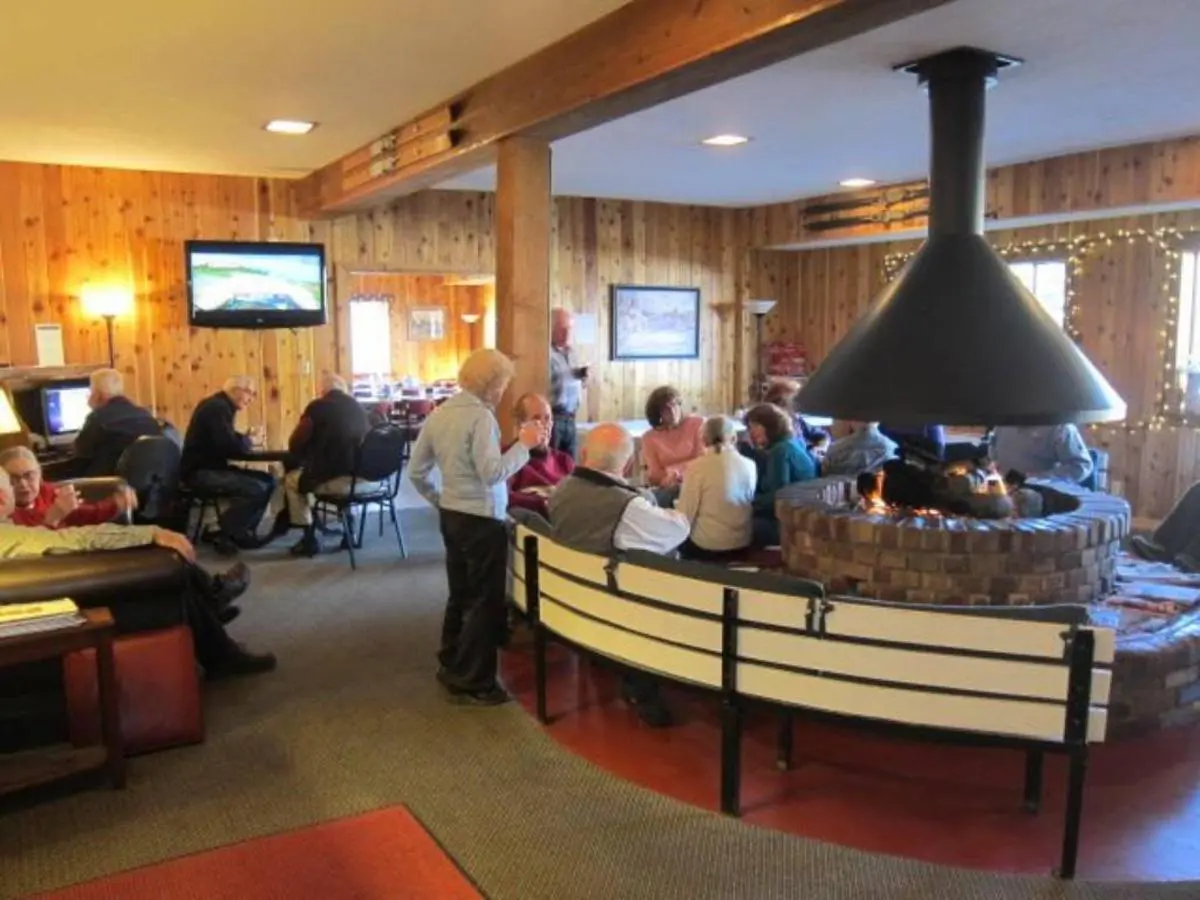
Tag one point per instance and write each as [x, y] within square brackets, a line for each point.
[674, 441]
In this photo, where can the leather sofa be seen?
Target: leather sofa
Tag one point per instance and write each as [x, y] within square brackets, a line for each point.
[142, 587]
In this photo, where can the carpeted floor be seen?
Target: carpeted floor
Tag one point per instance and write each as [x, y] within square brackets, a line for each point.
[383, 853]
[353, 721]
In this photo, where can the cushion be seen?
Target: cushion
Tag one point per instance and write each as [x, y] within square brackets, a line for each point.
[158, 691]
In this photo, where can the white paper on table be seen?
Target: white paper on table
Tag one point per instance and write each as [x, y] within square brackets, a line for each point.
[49, 345]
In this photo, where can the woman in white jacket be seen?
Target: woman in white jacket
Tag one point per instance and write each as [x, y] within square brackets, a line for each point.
[718, 496]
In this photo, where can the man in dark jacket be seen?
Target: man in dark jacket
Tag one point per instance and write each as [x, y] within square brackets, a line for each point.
[114, 423]
[210, 443]
[324, 444]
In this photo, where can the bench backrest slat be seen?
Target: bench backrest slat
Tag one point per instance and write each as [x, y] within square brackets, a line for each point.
[983, 715]
[1011, 678]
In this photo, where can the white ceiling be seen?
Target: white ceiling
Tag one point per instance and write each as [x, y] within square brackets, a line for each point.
[1097, 73]
[186, 85]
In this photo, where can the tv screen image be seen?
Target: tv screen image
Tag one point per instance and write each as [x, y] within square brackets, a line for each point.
[66, 409]
[253, 285]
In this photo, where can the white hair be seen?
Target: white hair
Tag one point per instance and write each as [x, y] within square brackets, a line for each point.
[717, 432]
[608, 447]
[483, 371]
[238, 382]
[12, 453]
[332, 381]
[108, 383]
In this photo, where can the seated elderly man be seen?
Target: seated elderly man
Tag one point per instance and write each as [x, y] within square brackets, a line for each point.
[211, 441]
[547, 467]
[1042, 451]
[864, 449]
[596, 510]
[114, 423]
[324, 444]
[218, 653]
[40, 504]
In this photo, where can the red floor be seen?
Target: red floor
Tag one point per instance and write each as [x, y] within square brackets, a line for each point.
[941, 803]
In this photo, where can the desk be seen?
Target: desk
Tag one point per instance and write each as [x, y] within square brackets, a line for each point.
[41, 766]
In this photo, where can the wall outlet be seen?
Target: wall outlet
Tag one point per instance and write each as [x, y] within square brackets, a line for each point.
[306, 367]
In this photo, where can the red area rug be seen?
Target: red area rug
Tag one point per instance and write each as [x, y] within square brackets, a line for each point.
[382, 854]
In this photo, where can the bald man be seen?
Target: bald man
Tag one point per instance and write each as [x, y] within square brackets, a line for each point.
[323, 446]
[596, 510]
[566, 382]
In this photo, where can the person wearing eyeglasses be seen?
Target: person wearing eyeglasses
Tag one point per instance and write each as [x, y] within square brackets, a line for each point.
[209, 445]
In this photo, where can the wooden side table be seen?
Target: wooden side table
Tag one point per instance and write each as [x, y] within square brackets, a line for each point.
[27, 769]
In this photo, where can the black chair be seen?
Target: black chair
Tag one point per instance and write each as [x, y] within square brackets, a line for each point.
[150, 465]
[378, 464]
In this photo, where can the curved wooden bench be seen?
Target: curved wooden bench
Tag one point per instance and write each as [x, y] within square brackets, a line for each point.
[1037, 679]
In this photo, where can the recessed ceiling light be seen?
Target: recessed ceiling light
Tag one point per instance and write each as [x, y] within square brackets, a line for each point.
[857, 182]
[725, 140]
[290, 126]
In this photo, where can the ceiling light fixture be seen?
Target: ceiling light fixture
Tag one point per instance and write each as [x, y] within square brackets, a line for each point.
[725, 140]
[289, 126]
[857, 182]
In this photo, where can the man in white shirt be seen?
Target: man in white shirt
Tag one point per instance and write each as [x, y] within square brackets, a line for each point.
[596, 510]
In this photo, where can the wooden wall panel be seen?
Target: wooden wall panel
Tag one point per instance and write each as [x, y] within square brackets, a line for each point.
[594, 244]
[66, 226]
[1121, 319]
[426, 360]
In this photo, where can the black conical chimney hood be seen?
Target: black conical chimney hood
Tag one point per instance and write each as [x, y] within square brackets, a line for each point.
[956, 339]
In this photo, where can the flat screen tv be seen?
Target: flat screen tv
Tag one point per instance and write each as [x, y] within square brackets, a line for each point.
[239, 284]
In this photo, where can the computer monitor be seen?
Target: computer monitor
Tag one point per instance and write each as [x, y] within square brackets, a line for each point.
[65, 408]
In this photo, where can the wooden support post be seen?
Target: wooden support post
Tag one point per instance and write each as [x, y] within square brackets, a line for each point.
[523, 267]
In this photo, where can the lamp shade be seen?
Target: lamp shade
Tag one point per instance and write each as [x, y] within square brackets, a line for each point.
[9, 423]
[760, 307]
[470, 318]
[106, 300]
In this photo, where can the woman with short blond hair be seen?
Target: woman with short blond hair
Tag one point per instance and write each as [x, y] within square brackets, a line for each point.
[461, 439]
[718, 496]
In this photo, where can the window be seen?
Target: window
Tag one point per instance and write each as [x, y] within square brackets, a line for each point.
[370, 337]
[1046, 279]
[1187, 334]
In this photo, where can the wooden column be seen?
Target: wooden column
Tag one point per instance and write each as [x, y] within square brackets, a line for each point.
[523, 267]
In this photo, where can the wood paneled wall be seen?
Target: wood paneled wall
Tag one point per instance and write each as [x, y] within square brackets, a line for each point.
[594, 244]
[64, 227]
[1122, 316]
[427, 360]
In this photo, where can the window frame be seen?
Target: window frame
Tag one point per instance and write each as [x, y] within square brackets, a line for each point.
[385, 351]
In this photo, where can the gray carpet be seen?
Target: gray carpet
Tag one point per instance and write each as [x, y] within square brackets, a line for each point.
[353, 721]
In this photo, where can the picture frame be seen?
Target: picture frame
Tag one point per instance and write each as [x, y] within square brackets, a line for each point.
[427, 323]
[650, 322]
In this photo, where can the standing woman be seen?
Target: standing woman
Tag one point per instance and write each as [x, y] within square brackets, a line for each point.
[462, 441]
[787, 461]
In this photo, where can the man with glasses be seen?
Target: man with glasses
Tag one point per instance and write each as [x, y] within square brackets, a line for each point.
[41, 503]
[210, 444]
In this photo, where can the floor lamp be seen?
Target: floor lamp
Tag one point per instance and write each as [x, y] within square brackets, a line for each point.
[107, 303]
[471, 319]
[759, 308]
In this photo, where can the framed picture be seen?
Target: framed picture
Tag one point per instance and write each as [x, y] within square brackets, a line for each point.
[427, 323]
[655, 322]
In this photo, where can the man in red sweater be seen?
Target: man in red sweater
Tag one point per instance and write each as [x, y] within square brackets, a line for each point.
[40, 503]
[530, 488]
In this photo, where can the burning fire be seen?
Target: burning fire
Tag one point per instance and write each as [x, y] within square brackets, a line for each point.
[987, 481]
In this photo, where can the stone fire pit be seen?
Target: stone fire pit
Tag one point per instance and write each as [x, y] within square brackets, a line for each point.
[1066, 556]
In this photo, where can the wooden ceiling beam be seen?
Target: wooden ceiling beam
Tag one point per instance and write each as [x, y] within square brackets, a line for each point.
[640, 55]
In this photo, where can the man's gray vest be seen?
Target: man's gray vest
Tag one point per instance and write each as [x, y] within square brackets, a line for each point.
[586, 508]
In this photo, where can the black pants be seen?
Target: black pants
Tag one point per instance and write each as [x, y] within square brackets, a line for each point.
[248, 493]
[209, 639]
[562, 437]
[473, 628]
[688, 550]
